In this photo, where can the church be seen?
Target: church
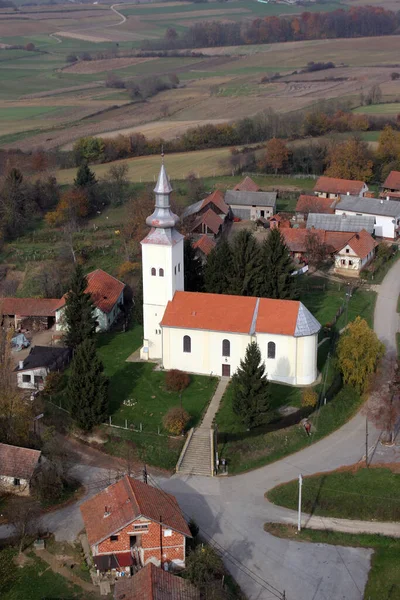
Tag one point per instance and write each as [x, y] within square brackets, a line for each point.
[208, 333]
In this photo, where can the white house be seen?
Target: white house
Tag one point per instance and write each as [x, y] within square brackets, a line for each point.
[41, 360]
[107, 295]
[385, 212]
[332, 187]
[209, 333]
[17, 466]
[356, 254]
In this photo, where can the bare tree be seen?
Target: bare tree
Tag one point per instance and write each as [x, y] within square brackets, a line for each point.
[383, 406]
[25, 519]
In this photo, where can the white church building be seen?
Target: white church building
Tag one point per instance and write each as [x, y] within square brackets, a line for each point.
[209, 333]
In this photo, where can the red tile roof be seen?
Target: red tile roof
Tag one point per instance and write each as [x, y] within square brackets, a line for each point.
[216, 198]
[210, 219]
[103, 288]
[247, 185]
[307, 203]
[392, 181]
[205, 244]
[331, 185]
[29, 307]
[126, 500]
[236, 314]
[18, 462]
[153, 583]
[296, 239]
[362, 243]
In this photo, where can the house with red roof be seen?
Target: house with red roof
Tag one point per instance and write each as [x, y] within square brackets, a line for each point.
[308, 203]
[331, 187]
[17, 466]
[153, 583]
[355, 254]
[29, 313]
[203, 246]
[131, 524]
[391, 185]
[247, 185]
[209, 333]
[107, 295]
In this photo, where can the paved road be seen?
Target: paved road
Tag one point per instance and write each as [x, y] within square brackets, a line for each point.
[233, 510]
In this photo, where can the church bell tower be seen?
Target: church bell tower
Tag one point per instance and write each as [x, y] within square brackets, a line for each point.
[162, 266]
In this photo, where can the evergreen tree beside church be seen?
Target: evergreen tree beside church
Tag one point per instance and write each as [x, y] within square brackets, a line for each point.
[277, 267]
[79, 311]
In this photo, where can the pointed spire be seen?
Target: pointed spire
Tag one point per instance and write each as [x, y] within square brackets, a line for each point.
[163, 185]
[162, 217]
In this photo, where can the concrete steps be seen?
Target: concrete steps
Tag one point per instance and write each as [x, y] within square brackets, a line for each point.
[197, 457]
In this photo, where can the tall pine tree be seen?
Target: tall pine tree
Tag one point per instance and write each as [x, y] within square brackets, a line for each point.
[246, 264]
[218, 269]
[79, 311]
[84, 176]
[277, 267]
[194, 275]
[87, 390]
[251, 389]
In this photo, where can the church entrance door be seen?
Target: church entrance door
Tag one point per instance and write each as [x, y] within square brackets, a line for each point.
[226, 370]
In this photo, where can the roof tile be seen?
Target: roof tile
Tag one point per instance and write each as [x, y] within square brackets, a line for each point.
[314, 204]
[210, 219]
[29, 307]
[103, 288]
[205, 244]
[153, 583]
[392, 181]
[362, 243]
[338, 186]
[247, 185]
[18, 462]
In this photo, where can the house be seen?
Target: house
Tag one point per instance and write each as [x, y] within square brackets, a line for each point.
[251, 205]
[247, 185]
[313, 204]
[41, 360]
[296, 240]
[385, 212]
[207, 223]
[330, 187]
[29, 313]
[391, 185]
[356, 254]
[132, 523]
[279, 222]
[214, 202]
[203, 247]
[342, 222]
[17, 466]
[209, 333]
[107, 295]
[153, 583]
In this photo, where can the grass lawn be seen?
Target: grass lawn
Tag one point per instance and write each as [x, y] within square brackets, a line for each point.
[36, 581]
[359, 493]
[384, 576]
[389, 108]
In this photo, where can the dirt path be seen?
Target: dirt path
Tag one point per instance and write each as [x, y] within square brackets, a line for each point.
[57, 567]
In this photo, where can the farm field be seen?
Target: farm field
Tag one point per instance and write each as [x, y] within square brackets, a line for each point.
[391, 108]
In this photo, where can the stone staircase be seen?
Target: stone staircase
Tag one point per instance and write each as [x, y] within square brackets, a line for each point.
[196, 455]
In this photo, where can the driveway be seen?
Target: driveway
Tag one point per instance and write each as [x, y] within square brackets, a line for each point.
[233, 510]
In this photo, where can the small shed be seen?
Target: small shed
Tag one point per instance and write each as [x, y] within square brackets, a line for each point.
[17, 466]
[41, 360]
[251, 205]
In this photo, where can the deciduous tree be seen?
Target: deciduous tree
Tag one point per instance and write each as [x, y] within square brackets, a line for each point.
[350, 160]
[87, 389]
[389, 144]
[277, 154]
[277, 266]
[79, 311]
[359, 351]
[316, 250]
[383, 406]
[251, 394]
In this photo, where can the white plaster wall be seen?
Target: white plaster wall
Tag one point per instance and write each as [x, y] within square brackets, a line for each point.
[41, 372]
[384, 227]
[7, 484]
[283, 366]
[306, 365]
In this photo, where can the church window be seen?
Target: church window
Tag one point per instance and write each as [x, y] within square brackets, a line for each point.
[161, 272]
[226, 348]
[175, 269]
[271, 350]
[153, 272]
[187, 343]
[179, 267]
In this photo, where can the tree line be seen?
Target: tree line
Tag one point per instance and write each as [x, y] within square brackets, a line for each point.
[363, 21]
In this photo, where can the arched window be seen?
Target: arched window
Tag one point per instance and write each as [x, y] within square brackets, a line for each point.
[271, 350]
[153, 272]
[161, 272]
[187, 344]
[226, 348]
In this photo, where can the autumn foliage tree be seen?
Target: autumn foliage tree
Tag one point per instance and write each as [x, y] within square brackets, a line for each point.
[72, 208]
[277, 154]
[350, 160]
[359, 351]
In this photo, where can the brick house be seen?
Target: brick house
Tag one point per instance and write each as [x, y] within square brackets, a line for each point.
[153, 583]
[132, 524]
[17, 466]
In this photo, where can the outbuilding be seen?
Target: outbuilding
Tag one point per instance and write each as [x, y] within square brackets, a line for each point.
[251, 205]
[41, 360]
[385, 212]
[17, 466]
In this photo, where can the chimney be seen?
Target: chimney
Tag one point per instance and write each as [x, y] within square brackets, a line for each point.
[381, 201]
[348, 193]
[106, 512]
[20, 365]
[387, 197]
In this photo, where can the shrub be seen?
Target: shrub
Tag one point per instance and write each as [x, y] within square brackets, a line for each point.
[176, 420]
[53, 383]
[126, 268]
[309, 398]
[176, 380]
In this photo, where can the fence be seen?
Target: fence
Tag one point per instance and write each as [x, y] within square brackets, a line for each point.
[135, 427]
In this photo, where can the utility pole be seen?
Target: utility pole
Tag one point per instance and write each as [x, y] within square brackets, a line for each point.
[299, 511]
[144, 474]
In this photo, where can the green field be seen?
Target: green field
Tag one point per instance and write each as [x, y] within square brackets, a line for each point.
[384, 576]
[391, 108]
[348, 494]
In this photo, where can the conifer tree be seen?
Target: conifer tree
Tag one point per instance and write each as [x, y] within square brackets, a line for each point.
[218, 269]
[87, 390]
[194, 275]
[84, 176]
[79, 311]
[277, 267]
[251, 389]
[246, 265]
